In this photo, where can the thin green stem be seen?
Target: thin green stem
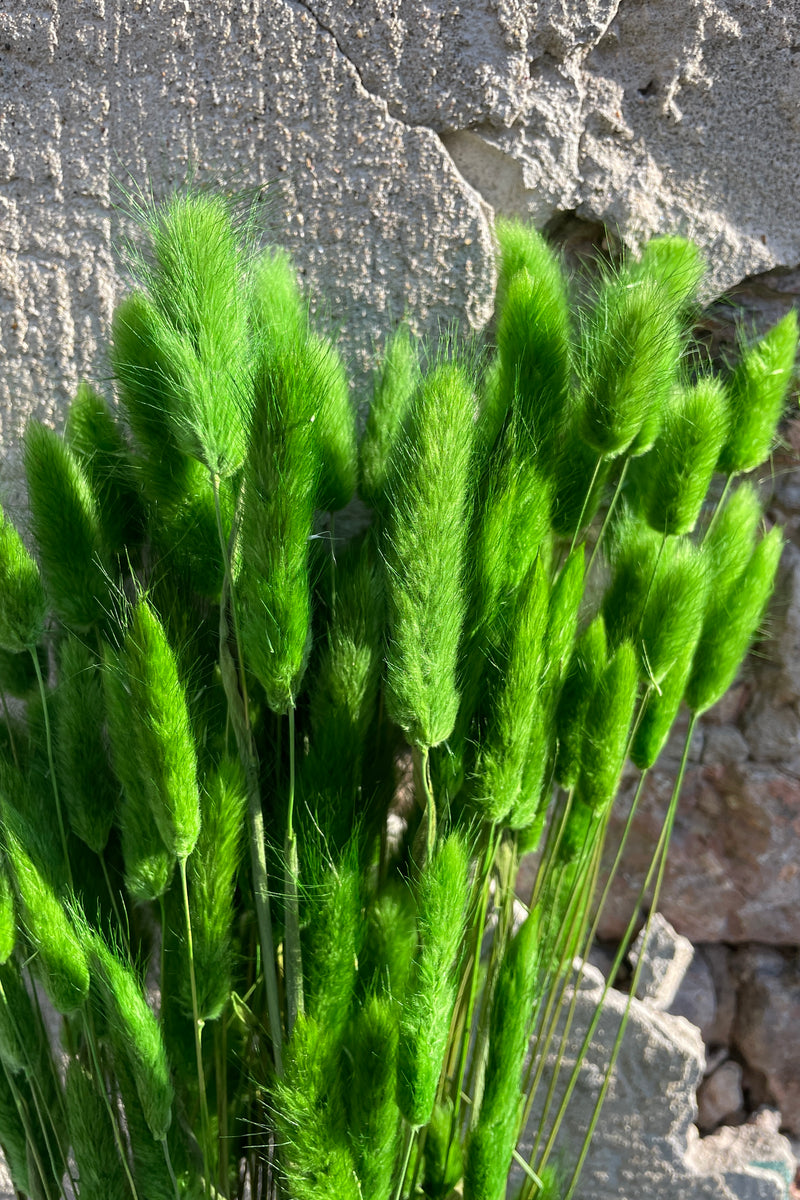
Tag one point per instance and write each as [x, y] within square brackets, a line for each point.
[585, 504]
[608, 516]
[293, 957]
[663, 849]
[198, 1033]
[405, 1160]
[239, 714]
[170, 1168]
[51, 761]
[719, 505]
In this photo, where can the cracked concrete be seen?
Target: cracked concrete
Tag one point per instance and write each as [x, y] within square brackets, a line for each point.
[386, 134]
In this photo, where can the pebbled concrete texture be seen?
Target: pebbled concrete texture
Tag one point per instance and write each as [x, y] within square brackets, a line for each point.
[389, 133]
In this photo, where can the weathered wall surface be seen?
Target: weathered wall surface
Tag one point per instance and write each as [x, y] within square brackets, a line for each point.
[386, 134]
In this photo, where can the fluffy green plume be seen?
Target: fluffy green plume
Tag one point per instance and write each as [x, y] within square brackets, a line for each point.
[534, 340]
[8, 918]
[95, 437]
[675, 264]
[425, 1019]
[66, 525]
[150, 1170]
[494, 1137]
[516, 710]
[287, 344]
[757, 395]
[279, 313]
[673, 614]
[662, 708]
[165, 470]
[729, 543]
[199, 336]
[731, 623]
[315, 1154]
[657, 595]
[212, 873]
[22, 602]
[394, 388]
[373, 1115]
[630, 353]
[151, 738]
[390, 942]
[58, 959]
[332, 941]
[513, 526]
[92, 1138]
[679, 467]
[135, 1033]
[87, 784]
[562, 620]
[607, 726]
[582, 680]
[424, 551]
[280, 490]
[17, 672]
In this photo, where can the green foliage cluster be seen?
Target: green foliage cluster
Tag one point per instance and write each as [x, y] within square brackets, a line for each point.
[264, 790]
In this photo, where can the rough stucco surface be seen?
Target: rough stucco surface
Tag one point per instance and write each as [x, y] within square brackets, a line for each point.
[369, 118]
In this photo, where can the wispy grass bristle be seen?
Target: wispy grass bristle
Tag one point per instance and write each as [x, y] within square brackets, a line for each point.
[675, 264]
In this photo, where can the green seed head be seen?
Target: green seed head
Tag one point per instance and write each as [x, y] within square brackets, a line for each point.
[394, 387]
[577, 696]
[22, 602]
[424, 548]
[59, 960]
[534, 337]
[757, 395]
[731, 624]
[135, 1033]
[630, 353]
[66, 525]
[681, 463]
